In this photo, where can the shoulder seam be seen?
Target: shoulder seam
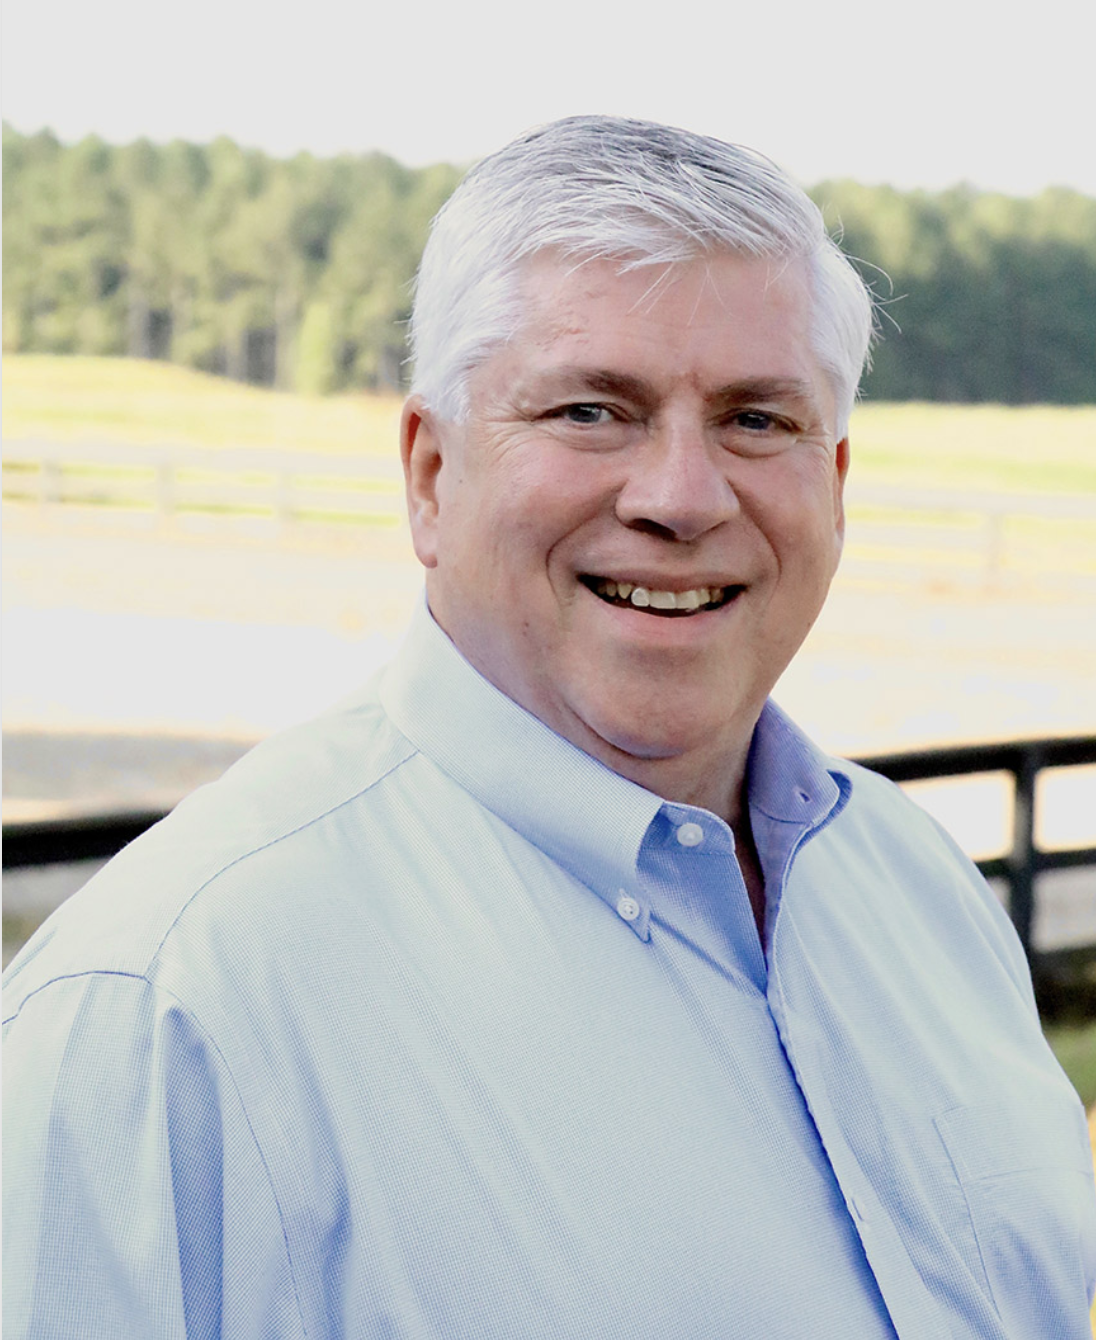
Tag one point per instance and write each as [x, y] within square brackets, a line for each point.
[68, 977]
[159, 989]
[272, 842]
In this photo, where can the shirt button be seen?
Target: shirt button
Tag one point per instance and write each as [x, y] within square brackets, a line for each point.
[627, 907]
[690, 835]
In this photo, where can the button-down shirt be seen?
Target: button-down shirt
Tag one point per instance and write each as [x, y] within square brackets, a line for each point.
[422, 1023]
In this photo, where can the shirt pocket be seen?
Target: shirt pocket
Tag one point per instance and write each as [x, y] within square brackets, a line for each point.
[1026, 1173]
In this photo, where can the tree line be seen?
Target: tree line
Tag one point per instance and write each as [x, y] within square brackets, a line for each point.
[297, 272]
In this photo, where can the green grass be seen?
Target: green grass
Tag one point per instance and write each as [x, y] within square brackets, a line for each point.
[343, 518]
[392, 487]
[928, 519]
[1027, 449]
[132, 400]
[119, 474]
[1022, 449]
[1074, 1045]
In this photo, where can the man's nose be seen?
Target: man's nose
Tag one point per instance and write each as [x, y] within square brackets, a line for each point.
[678, 485]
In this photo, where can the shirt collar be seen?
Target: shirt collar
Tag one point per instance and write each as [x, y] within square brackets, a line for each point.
[587, 818]
[789, 779]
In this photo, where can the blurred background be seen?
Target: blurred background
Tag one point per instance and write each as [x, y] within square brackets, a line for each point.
[212, 216]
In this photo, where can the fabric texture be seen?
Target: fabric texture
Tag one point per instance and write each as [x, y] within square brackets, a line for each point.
[421, 1023]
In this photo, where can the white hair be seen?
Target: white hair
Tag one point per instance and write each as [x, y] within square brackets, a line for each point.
[645, 194]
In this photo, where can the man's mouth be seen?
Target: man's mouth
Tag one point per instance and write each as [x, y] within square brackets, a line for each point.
[674, 604]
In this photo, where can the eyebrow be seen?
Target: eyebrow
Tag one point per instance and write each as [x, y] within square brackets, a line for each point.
[607, 382]
[601, 380]
[767, 389]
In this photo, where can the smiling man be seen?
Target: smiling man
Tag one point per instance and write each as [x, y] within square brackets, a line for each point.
[635, 525]
[557, 985]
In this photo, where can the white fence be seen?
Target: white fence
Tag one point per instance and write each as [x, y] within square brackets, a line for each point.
[980, 537]
[233, 483]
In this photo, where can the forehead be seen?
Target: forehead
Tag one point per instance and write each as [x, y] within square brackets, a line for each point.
[716, 318]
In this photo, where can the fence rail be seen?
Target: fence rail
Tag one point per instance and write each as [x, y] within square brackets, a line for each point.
[282, 486]
[967, 532]
[1024, 760]
[56, 841]
[63, 840]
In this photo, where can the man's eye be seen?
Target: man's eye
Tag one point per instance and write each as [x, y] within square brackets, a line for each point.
[756, 420]
[587, 415]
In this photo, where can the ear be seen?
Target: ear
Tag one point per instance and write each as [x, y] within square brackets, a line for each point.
[841, 471]
[421, 454]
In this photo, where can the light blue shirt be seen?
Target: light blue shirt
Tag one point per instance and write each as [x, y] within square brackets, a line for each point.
[423, 1024]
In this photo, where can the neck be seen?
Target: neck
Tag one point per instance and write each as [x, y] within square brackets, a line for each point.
[717, 784]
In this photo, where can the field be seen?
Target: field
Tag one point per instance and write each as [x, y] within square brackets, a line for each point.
[1028, 449]
[133, 401]
[912, 650]
[1036, 449]
[970, 559]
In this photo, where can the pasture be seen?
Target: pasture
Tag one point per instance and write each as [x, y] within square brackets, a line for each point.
[140, 402]
[1031, 449]
[918, 644]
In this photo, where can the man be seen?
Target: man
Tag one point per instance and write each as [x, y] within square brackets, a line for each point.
[557, 985]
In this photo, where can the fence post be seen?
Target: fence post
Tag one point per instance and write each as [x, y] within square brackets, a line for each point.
[995, 547]
[52, 484]
[165, 489]
[285, 508]
[1022, 857]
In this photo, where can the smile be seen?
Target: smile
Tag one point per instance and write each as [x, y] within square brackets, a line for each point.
[672, 603]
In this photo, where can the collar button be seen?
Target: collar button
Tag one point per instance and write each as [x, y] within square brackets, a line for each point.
[690, 835]
[627, 907]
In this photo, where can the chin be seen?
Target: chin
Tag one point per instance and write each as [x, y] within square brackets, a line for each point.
[650, 739]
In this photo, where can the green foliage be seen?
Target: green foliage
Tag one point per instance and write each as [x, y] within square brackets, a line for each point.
[298, 272]
[286, 273]
[984, 297]
[317, 363]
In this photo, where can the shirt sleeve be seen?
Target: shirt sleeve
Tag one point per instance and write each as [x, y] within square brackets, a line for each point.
[136, 1201]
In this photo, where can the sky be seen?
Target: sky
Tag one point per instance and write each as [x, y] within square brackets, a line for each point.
[930, 95]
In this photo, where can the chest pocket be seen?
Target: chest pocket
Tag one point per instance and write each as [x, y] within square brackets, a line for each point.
[1026, 1174]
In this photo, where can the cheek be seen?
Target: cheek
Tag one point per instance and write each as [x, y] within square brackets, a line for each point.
[547, 509]
[795, 509]
[811, 498]
[498, 543]
[804, 536]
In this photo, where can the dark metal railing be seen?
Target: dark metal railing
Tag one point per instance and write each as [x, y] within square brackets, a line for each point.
[63, 840]
[1025, 760]
[82, 837]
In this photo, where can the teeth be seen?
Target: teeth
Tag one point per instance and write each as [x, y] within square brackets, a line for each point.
[643, 597]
